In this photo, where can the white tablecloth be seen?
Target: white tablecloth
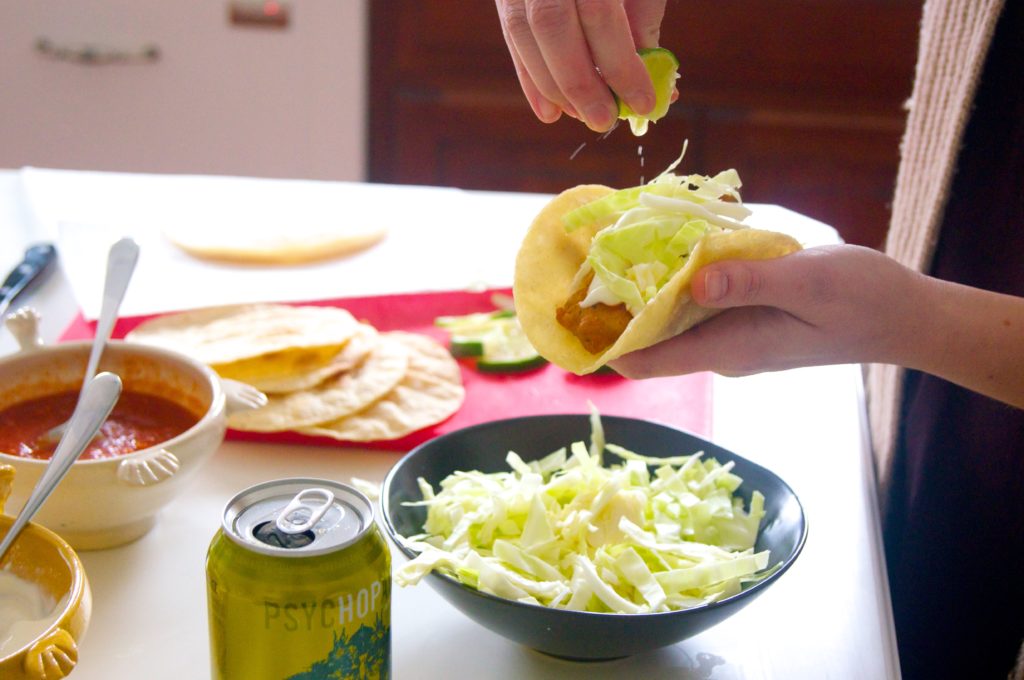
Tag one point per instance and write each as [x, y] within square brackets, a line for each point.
[828, 617]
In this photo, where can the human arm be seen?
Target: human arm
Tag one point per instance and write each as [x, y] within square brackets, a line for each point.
[845, 304]
[570, 55]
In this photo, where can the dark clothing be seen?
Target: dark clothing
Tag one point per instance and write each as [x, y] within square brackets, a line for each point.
[954, 530]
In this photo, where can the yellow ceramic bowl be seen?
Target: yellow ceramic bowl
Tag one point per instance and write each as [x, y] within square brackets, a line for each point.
[44, 558]
[106, 502]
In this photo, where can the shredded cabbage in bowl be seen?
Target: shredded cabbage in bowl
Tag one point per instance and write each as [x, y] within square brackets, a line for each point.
[644, 535]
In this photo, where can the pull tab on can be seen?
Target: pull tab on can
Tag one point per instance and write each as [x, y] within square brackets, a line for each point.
[302, 515]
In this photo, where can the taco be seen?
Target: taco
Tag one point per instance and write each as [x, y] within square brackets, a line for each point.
[602, 273]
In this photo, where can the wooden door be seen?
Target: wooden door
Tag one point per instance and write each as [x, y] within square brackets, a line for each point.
[803, 97]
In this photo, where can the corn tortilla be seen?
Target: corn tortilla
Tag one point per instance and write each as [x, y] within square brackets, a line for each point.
[285, 338]
[354, 351]
[288, 245]
[549, 259]
[339, 396]
[430, 391]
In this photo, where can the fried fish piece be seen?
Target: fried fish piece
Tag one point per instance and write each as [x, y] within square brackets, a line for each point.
[597, 326]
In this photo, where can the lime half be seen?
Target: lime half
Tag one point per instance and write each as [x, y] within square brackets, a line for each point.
[663, 67]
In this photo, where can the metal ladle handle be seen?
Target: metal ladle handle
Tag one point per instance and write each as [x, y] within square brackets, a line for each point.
[94, 405]
[120, 265]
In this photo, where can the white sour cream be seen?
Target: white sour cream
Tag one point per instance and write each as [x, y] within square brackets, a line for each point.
[26, 611]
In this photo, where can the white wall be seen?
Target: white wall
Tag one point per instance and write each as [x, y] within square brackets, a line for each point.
[220, 100]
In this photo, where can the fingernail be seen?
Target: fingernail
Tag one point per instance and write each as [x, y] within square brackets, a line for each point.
[716, 285]
[547, 111]
[641, 102]
[598, 116]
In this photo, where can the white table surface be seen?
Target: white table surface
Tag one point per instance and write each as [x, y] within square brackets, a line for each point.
[828, 617]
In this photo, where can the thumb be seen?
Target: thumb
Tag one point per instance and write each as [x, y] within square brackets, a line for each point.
[741, 283]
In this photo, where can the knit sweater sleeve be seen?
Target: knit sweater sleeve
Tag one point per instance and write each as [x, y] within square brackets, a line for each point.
[954, 40]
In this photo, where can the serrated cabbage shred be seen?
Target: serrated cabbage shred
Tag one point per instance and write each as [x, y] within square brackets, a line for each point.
[643, 535]
[647, 232]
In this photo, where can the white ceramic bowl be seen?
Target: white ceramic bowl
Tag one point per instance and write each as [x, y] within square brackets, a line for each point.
[107, 502]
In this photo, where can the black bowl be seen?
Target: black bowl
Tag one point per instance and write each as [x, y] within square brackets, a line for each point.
[574, 634]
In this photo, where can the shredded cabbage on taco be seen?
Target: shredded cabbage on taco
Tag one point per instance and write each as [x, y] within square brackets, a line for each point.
[602, 272]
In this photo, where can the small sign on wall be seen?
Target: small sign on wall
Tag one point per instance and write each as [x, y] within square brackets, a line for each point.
[260, 13]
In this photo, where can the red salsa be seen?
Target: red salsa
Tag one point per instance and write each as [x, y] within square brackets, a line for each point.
[138, 421]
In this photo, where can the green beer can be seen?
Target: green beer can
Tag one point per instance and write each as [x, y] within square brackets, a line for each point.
[298, 584]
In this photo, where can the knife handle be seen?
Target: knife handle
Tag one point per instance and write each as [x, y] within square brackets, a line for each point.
[36, 260]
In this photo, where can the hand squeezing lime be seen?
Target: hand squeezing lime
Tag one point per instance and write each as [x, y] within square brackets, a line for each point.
[663, 67]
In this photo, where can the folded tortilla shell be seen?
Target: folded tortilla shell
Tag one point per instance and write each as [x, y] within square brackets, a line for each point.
[350, 355]
[339, 396]
[430, 391]
[550, 257]
[280, 338]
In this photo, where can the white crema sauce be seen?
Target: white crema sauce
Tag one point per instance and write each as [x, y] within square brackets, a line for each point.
[26, 611]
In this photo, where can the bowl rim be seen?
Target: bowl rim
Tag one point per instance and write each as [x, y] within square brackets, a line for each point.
[78, 580]
[217, 397]
[745, 593]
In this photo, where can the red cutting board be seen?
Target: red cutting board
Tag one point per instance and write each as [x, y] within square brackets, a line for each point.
[683, 402]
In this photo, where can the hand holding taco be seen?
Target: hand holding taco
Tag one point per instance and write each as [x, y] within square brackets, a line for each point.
[602, 273]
